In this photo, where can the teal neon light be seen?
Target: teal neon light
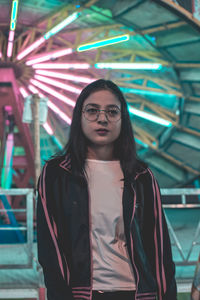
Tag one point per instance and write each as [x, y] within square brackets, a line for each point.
[14, 15]
[6, 176]
[61, 25]
[103, 43]
[130, 66]
[57, 142]
[141, 143]
[149, 117]
[146, 92]
[3, 174]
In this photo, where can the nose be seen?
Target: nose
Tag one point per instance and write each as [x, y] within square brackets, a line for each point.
[102, 117]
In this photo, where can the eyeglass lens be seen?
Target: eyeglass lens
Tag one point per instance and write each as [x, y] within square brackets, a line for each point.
[92, 113]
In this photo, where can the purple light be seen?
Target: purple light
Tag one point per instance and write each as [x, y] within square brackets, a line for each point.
[49, 56]
[65, 76]
[52, 92]
[62, 66]
[58, 84]
[30, 48]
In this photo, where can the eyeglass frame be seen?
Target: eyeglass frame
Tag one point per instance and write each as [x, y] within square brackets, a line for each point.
[98, 113]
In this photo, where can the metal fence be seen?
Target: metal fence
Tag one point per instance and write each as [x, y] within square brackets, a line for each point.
[28, 245]
[184, 203]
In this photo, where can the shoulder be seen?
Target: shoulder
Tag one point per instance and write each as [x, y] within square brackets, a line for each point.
[146, 176]
[52, 168]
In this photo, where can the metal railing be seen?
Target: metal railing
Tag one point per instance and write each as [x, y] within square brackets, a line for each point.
[183, 204]
[184, 194]
[28, 228]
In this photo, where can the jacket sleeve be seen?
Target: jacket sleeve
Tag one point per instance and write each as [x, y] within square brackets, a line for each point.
[50, 255]
[164, 265]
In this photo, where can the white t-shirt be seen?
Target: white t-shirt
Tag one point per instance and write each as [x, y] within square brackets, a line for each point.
[112, 269]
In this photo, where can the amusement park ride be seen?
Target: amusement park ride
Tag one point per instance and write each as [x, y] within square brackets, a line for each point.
[52, 49]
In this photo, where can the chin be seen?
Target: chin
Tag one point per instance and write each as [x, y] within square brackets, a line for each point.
[103, 143]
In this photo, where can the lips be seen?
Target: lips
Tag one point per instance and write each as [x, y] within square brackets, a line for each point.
[102, 131]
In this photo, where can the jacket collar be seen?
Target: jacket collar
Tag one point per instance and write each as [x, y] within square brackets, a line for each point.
[66, 165]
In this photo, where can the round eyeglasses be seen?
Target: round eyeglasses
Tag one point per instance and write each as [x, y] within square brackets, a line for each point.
[91, 113]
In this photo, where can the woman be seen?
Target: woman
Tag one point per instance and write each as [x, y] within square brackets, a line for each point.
[101, 230]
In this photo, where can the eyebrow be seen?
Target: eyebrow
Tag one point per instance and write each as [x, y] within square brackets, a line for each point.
[98, 106]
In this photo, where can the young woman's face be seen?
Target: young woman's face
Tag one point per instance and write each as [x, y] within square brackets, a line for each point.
[105, 129]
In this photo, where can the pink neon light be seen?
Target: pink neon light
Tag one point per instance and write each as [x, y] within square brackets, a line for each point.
[35, 91]
[11, 36]
[23, 92]
[62, 66]
[0, 55]
[65, 76]
[9, 49]
[51, 105]
[52, 92]
[10, 43]
[48, 128]
[59, 112]
[30, 48]
[58, 84]
[49, 56]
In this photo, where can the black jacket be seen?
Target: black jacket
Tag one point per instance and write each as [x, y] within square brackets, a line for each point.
[64, 229]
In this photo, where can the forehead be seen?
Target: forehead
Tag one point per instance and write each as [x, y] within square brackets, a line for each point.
[102, 98]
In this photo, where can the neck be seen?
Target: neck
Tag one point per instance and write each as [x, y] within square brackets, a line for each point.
[100, 152]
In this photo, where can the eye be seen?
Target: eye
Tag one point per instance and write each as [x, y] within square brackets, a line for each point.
[91, 110]
[113, 112]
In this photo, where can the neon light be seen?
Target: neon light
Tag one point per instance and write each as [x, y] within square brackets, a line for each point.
[35, 91]
[59, 112]
[10, 43]
[61, 25]
[49, 56]
[62, 66]
[52, 92]
[51, 105]
[47, 35]
[146, 92]
[152, 93]
[30, 48]
[11, 36]
[149, 117]
[9, 49]
[135, 66]
[23, 92]
[103, 43]
[48, 128]
[57, 142]
[0, 54]
[141, 143]
[65, 76]
[14, 15]
[6, 179]
[58, 84]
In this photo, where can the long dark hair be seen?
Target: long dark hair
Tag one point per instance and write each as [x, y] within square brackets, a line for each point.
[124, 146]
